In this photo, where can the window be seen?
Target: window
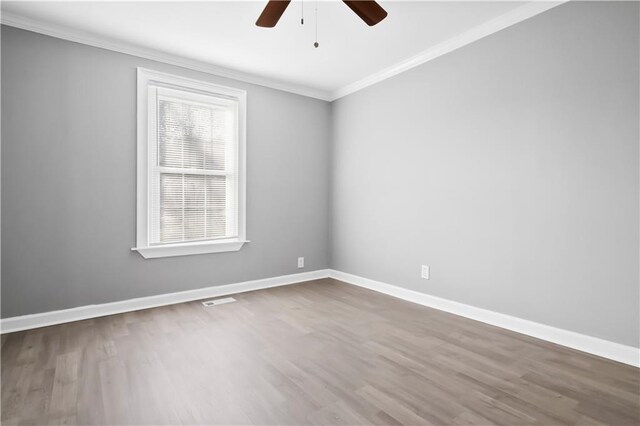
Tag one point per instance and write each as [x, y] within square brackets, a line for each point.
[191, 168]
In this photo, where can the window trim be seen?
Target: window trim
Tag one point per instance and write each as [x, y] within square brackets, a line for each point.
[144, 78]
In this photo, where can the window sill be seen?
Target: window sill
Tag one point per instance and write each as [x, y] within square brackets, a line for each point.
[169, 250]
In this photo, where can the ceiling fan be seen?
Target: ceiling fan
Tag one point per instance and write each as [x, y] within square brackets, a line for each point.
[368, 10]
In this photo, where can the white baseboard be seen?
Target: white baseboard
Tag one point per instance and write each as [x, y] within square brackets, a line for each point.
[604, 348]
[26, 322]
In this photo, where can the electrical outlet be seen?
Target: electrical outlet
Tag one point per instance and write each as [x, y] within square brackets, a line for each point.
[301, 262]
[425, 272]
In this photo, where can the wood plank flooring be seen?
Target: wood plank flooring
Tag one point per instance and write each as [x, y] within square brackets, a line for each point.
[321, 352]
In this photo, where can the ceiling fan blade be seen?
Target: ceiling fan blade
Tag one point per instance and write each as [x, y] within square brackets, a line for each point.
[272, 13]
[369, 11]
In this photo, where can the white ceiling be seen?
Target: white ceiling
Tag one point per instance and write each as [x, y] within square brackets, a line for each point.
[223, 34]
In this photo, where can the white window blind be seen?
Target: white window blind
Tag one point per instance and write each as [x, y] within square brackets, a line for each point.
[193, 167]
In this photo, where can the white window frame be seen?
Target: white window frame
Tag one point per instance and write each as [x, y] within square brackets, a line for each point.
[144, 163]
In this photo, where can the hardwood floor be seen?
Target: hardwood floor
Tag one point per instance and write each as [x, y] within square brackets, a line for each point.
[321, 352]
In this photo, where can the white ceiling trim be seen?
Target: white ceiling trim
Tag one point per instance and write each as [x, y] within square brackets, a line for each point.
[155, 55]
[492, 26]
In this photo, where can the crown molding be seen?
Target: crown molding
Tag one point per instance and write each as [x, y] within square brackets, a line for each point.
[82, 37]
[492, 26]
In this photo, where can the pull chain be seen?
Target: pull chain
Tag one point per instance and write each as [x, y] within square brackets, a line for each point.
[316, 44]
[302, 13]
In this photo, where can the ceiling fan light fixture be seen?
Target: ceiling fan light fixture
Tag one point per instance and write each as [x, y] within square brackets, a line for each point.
[368, 10]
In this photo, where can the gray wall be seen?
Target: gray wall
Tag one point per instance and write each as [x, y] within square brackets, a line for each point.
[68, 181]
[509, 166]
